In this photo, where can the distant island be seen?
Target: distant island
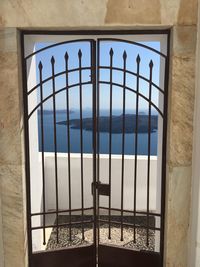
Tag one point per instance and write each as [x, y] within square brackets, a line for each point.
[117, 121]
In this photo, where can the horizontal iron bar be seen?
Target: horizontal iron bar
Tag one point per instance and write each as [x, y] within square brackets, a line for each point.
[130, 225]
[133, 43]
[130, 211]
[57, 75]
[98, 32]
[89, 82]
[100, 40]
[61, 211]
[134, 74]
[57, 92]
[62, 224]
[134, 91]
[57, 44]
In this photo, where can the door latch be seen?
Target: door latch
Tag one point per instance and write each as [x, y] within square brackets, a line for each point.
[102, 189]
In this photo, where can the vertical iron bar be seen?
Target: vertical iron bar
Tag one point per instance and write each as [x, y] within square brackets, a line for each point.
[98, 103]
[68, 143]
[42, 144]
[95, 202]
[55, 142]
[149, 148]
[110, 143]
[98, 136]
[164, 145]
[136, 144]
[123, 140]
[27, 149]
[81, 139]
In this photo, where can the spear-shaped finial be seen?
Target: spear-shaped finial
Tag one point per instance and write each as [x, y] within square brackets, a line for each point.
[40, 66]
[124, 55]
[66, 56]
[79, 53]
[52, 60]
[151, 64]
[138, 59]
[111, 52]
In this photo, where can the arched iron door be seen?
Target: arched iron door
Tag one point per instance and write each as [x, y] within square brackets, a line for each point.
[56, 230]
[130, 220]
[106, 208]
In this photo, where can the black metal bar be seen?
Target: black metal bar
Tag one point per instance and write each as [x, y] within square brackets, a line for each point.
[63, 224]
[57, 44]
[55, 143]
[99, 67]
[94, 96]
[42, 146]
[27, 150]
[97, 32]
[90, 208]
[57, 92]
[60, 211]
[110, 142]
[135, 74]
[98, 136]
[130, 225]
[68, 144]
[86, 83]
[136, 143]
[134, 91]
[149, 150]
[81, 138]
[101, 39]
[133, 43]
[129, 211]
[123, 141]
[57, 75]
[164, 148]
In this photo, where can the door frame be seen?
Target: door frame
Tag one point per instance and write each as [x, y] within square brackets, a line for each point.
[166, 83]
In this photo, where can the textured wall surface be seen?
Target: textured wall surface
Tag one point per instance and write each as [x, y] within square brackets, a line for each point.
[11, 176]
[181, 16]
[26, 13]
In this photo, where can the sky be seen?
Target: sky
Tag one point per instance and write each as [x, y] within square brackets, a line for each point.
[118, 47]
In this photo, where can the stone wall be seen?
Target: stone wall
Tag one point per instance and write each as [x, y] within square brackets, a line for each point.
[181, 17]
[194, 245]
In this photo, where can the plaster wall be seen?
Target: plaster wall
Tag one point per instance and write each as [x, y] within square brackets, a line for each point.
[115, 191]
[181, 17]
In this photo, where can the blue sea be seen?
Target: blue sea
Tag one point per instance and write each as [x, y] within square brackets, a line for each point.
[87, 136]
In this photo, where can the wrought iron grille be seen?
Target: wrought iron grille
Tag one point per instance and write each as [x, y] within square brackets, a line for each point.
[100, 214]
[146, 225]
